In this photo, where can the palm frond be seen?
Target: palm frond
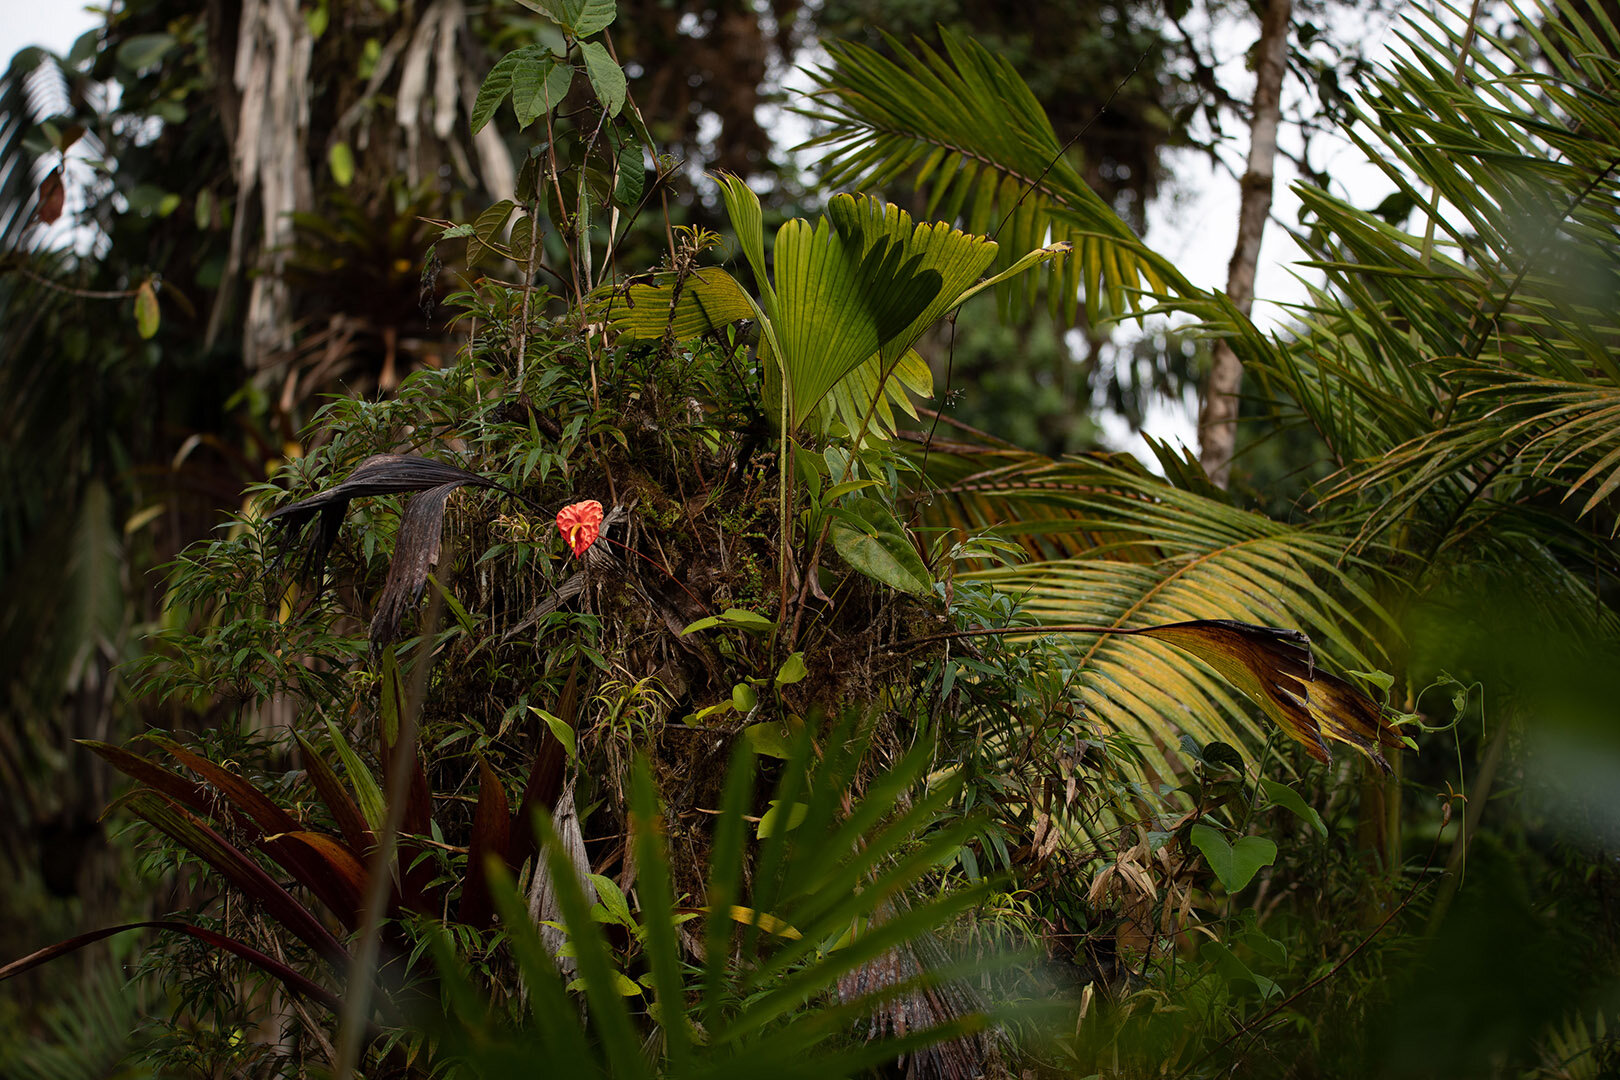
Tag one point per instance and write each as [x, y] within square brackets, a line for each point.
[1452, 379]
[1141, 553]
[968, 132]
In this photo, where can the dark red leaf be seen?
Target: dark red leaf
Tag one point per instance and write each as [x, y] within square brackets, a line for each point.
[545, 777]
[191, 833]
[290, 978]
[325, 867]
[52, 195]
[491, 825]
[243, 796]
[152, 774]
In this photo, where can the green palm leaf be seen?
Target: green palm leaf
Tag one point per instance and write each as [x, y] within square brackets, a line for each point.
[1152, 555]
[970, 134]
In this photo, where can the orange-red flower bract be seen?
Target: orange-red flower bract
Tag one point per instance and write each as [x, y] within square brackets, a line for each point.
[580, 523]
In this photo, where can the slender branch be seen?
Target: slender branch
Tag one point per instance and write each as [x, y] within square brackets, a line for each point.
[83, 294]
[1253, 1025]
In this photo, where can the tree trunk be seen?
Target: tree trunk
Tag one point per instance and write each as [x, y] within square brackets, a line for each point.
[1217, 422]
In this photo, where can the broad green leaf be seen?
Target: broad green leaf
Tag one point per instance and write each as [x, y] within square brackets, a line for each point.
[748, 222]
[144, 50]
[792, 670]
[708, 299]
[340, 159]
[487, 228]
[631, 182]
[561, 728]
[146, 309]
[367, 793]
[1234, 864]
[840, 299]
[607, 78]
[1282, 795]
[581, 18]
[774, 820]
[744, 697]
[1234, 970]
[497, 84]
[869, 538]
[539, 84]
[742, 617]
[612, 899]
[768, 739]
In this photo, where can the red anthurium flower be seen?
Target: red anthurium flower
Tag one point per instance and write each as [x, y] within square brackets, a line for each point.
[580, 523]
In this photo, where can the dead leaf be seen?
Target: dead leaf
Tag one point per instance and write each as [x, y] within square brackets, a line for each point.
[416, 553]
[52, 196]
[420, 531]
[1275, 668]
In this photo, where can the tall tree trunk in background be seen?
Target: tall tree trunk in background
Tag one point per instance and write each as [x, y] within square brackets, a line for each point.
[1217, 422]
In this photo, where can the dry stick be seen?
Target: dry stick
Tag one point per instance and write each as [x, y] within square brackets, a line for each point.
[357, 1001]
[528, 279]
[83, 294]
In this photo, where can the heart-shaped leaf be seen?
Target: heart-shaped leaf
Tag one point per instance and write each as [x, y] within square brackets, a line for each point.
[869, 538]
[1282, 795]
[1234, 864]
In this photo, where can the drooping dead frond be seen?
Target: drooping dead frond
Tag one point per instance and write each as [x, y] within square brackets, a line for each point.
[1276, 670]
[922, 1005]
[421, 529]
[416, 553]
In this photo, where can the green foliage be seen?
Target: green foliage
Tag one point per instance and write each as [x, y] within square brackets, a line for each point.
[1036, 776]
[803, 925]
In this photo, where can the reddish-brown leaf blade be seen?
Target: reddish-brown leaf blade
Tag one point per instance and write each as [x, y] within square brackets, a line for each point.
[191, 833]
[491, 825]
[546, 775]
[1351, 717]
[1273, 667]
[345, 812]
[246, 798]
[152, 774]
[52, 196]
[325, 867]
[289, 977]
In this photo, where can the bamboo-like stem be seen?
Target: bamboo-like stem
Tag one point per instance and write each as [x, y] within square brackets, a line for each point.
[363, 970]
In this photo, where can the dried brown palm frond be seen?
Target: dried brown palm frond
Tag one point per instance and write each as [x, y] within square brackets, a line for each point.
[923, 1005]
[421, 529]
